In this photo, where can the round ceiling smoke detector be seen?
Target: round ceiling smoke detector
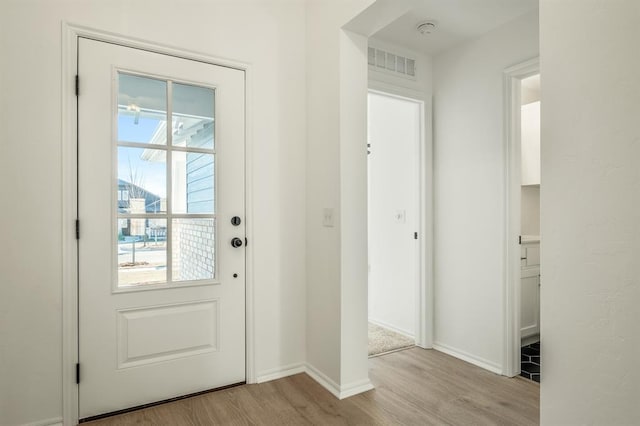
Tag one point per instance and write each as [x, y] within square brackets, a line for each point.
[426, 28]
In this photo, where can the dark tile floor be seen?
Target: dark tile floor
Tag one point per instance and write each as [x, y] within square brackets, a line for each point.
[530, 362]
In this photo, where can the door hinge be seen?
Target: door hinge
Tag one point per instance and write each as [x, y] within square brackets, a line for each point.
[415, 235]
[77, 85]
[78, 373]
[519, 239]
[77, 229]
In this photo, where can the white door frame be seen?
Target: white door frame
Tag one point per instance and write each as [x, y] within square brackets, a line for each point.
[424, 287]
[513, 77]
[70, 35]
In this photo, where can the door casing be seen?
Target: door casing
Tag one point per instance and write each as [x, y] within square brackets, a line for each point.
[70, 34]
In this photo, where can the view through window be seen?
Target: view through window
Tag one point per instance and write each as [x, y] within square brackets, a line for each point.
[165, 188]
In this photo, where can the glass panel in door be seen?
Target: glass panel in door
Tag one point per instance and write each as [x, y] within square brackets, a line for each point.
[165, 182]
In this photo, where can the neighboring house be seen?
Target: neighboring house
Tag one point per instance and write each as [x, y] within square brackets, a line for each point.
[152, 204]
[128, 190]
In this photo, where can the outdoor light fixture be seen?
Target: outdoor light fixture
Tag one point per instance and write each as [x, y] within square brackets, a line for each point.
[136, 109]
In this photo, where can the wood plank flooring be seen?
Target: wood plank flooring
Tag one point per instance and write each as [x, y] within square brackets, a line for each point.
[413, 387]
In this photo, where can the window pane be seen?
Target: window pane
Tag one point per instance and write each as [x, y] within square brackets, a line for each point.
[142, 252]
[193, 245]
[142, 109]
[142, 180]
[193, 112]
[193, 183]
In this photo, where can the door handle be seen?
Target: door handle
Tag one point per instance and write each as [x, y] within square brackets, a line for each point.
[236, 242]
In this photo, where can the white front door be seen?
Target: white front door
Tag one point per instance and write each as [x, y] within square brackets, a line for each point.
[160, 202]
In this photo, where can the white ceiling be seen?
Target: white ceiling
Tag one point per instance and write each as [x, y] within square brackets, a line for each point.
[457, 20]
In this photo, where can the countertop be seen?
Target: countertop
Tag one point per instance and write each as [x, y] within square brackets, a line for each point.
[529, 239]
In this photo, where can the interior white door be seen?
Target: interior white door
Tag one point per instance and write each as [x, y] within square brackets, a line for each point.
[160, 201]
[393, 211]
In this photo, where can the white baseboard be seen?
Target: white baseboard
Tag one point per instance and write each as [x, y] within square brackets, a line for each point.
[340, 392]
[56, 421]
[465, 356]
[280, 372]
[323, 380]
[336, 390]
[355, 388]
[423, 345]
[392, 328]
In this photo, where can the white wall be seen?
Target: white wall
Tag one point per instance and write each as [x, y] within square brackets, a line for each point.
[268, 34]
[590, 212]
[394, 135]
[530, 210]
[469, 175]
[529, 95]
[326, 104]
[337, 178]
[354, 368]
[530, 143]
[530, 165]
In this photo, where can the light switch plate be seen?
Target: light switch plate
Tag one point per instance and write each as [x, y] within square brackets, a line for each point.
[327, 217]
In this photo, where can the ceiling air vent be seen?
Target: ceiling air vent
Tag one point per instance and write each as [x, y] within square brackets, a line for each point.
[380, 60]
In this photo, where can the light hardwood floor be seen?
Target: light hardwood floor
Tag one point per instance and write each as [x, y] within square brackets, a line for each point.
[413, 387]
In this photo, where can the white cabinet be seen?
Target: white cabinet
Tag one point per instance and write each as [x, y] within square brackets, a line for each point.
[530, 143]
[530, 290]
[530, 255]
[530, 302]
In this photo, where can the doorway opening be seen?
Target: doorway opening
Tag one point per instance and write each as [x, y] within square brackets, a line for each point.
[522, 90]
[394, 136]
[530, 228]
